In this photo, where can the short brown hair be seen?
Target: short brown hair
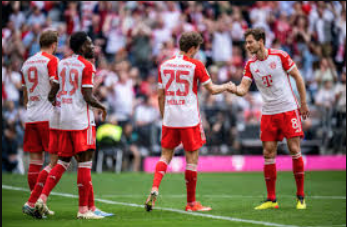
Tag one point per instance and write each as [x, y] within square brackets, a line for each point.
[189, 40]
[258, 33]
[47, 38]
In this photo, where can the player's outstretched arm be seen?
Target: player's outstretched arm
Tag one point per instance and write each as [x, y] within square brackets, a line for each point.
[215, 89]
[300, 84]
[92, 101]
[242, 89]
[53, 93]
[161, 101]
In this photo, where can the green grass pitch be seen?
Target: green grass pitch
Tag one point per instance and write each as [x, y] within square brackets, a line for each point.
[232, 196]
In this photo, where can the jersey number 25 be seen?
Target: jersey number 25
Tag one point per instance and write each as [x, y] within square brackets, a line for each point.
[177, 77]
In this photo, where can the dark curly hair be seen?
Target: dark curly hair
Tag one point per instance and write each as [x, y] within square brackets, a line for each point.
[189, 40]
[77, 40]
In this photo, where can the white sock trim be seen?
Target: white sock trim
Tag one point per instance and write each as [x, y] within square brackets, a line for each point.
[164, 160]
[64, 164]
[87, 165]
[270, 161]
[192, 167]
[36, 162]
[48, 168]
[297, 156]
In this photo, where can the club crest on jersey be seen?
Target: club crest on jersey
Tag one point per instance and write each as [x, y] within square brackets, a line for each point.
[273, 65]
[257, 71]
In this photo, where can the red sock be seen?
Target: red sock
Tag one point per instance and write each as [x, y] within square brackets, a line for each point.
[270, 174]
[191, 177]
[53, 178]
[84, 181]
[160, 171]
[299, 173]
[91, 202]
[33, 172]
[41, 181]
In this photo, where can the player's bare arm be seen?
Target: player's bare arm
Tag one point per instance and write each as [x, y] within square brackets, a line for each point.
[161, 101]
[215, 89]
[25, 97]
[92, 101]
[53, 93]
[242, 89]
[295, 73]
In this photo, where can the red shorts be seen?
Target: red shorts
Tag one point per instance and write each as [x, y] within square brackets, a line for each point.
[36, 137]
[279, 126]
[192, 138]
[53, 146]
[74, 142]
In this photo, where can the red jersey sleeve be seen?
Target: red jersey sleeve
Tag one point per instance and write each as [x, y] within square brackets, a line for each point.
[202, 74]
[52, 67]
[87, 75]
[287, 63]
[247, 71]
[160, 82]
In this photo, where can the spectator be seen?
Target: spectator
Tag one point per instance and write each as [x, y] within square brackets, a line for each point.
[9, 138]
[30, 41]
[12, 83]
[222, 43]
[17, 17]
[37, 17]
[160, 35]
[325, 100]
[141, 48]
[326, 72]
[130, 140]
[145, 117]
[122, 98]
[171, 15]
[116, 39]
[72, 17]
[340, 92]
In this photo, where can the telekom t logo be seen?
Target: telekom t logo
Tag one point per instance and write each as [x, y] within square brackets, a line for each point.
[267, 80]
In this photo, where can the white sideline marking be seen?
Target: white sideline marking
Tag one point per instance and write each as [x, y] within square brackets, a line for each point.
[329, 226]
[231, 196]
[169, 209]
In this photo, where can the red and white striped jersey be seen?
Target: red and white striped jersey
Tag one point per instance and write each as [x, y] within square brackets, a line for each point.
[37, 72]
[179, 76]
[74, 73]
[272, 80]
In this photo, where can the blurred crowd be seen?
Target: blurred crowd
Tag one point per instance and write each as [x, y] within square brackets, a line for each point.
[133, 37]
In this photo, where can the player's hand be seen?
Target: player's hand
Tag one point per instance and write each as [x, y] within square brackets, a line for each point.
[103, 114]
[304, 110]
[232, 87]
[53, 102]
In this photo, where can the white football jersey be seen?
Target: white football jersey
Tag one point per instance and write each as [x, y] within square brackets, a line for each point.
[75, 73]
[54, 121]
[272, 80]
[37, 72]
[179, 76]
